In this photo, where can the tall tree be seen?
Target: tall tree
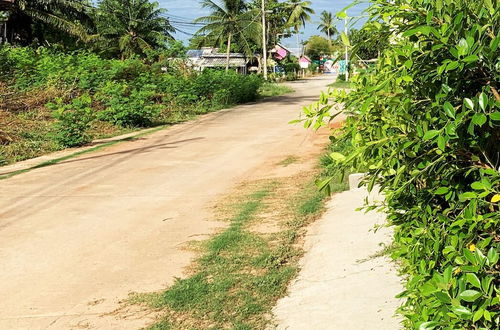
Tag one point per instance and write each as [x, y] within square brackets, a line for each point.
[64, 16]
[300, 13]
[132, 27]
[229, 20]
[327, 25]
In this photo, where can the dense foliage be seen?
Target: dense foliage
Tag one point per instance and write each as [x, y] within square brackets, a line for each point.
[45, 20]
[426, 125]
[318, 46]
[126, 93]
[368, 43]
[131, 27]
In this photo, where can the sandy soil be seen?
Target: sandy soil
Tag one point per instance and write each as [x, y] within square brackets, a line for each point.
[77, 237]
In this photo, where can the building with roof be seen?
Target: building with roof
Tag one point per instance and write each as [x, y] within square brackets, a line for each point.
[208, 57]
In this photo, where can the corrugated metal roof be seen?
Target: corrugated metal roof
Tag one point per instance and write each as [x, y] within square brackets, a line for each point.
[194, 53]
[220, 61]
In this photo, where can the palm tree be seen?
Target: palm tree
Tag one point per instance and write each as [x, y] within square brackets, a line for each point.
[231, 20]
[61, 15]
[327, 25]
[300, 13]
[132, 27]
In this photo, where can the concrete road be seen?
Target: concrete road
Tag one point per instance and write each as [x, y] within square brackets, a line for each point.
[79, 236]
[345, 281]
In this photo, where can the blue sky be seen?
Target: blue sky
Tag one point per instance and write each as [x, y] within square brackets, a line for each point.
[187, 10]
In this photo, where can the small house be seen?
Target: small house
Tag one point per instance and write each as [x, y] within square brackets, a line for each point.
[208, 57]
[279, 52]
[304, 62]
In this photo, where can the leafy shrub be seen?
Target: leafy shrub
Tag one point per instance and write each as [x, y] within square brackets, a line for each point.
[291, 67]
[426, 125]
[128, 107]
[74, 121]
[128, 93]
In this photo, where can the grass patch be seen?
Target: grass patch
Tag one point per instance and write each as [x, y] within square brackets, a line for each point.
[288, 161]
[269, 89]
[241, 273]
[340, 84]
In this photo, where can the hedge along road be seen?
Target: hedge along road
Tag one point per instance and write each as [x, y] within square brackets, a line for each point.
[78, 236]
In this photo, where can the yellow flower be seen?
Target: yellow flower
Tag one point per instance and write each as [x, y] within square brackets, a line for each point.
[472, 247]
[457, 271]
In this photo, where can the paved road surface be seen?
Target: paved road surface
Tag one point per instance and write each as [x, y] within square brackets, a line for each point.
[344, 283]
[77, 237]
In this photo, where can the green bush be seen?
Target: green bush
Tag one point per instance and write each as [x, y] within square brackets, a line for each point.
[74, 121]
[426, 125]
[128, 93]
[128, 107]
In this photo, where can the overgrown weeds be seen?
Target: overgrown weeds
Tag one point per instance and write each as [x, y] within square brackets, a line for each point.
[269, 89]
[85, 92]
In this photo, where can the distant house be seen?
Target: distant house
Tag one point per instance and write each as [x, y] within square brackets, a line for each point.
[280, 52]
[208, 57]
[304, 62]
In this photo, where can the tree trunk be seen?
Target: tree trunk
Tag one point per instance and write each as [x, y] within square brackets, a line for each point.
[228, 51]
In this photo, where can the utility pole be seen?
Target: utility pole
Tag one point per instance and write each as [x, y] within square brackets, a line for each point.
[264, 43]
[346, 52]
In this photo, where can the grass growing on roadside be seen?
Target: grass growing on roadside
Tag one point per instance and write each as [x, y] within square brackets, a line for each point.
[288, 161]
[340, 84]
[273, 89]
[242, 272]
[79, 153]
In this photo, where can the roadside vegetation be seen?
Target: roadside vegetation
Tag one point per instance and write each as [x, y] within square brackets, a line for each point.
[425, 125]
[75, 71]
[51, 100]
[269, 89]
[243, 270]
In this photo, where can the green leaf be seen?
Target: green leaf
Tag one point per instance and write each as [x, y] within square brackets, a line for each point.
[449, 109]
[471, 58]
[452, 65]
[483, 101]
[469, 295]
[441, 190]
[469, 103]
[429, 325]
[441, 142]
[462, 311]
[478, 185]
[342, 14]
[492, 256]
[337, 156]
[430, 134]
[477, 315]
[323, 183]
[494, 43]
[479, 119]
[473, 279]
[468, 195]
[495, 115]
[345, 39]
[443, 297]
